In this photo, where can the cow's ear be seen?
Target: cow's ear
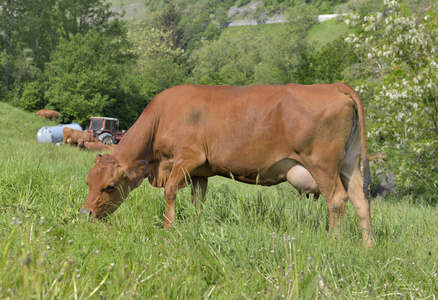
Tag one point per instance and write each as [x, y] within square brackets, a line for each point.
[136, 172]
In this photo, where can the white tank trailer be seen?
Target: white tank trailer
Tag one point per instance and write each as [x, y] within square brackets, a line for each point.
[53, 134]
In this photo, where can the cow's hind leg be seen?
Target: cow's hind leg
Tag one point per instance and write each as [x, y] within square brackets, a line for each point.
[354, 185]
[336, 202]
[335, 195]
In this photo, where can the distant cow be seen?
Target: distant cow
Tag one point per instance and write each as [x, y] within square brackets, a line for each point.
[95, 146]
[309, 135]
[48, 113]
[72, 136]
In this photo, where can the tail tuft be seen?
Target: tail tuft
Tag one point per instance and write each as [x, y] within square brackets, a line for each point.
[366, 179]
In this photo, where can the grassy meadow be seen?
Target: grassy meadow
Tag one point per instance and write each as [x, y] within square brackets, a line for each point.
[249, 242]
[325, 32]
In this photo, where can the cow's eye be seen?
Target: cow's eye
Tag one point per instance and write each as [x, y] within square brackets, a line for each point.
[110, 187]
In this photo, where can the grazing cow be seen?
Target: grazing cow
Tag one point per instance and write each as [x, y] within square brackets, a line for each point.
[95, 146]
[47, 113]
[72, 136]
[311, 136]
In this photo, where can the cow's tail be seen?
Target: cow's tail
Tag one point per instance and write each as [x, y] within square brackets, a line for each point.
[349, 91]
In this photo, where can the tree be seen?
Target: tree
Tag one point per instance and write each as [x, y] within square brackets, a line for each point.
[10, 14]
[85, 77]
[281, 56]
[169, 21]
[225, 61]
[157, 65]
[328, 64]
[35, 27]
[400, 50]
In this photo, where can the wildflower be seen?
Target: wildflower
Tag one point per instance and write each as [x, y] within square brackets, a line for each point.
[111, 267]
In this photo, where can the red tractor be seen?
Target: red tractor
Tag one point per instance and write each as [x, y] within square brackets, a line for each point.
[105, 129]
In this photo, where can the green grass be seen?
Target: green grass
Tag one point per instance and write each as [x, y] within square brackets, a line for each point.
[248, 242]
[321, 33]
[327, 31]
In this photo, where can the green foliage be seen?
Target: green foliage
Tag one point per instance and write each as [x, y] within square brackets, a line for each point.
[225, 61]
[169, 21]
[247, 242]
[32, 96]
[267, 59]
[281, 56]
[39, 25]
[369, 6]
[158, 63]
[84, 80]
[327, 64]
[398, 50]
[212, 32]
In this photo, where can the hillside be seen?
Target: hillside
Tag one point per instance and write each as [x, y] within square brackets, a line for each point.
[247, 242]
[327, 29]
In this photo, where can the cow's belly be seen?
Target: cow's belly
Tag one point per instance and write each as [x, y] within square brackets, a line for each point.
[285, 170]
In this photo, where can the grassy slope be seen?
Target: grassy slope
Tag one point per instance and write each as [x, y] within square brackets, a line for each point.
[248, 242]
[321, 33]
[327, 31]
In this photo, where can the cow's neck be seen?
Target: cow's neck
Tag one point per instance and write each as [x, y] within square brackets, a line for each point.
[137, 144]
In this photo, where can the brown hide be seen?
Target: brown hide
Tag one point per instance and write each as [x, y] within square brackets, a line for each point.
[47, 113]
[72, 136]
[95, 146]
[311, 136]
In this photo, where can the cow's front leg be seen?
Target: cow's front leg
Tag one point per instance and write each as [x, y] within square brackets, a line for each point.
[170, 191]
[177, 179]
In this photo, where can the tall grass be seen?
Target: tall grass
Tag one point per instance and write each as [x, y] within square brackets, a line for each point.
[248, 241]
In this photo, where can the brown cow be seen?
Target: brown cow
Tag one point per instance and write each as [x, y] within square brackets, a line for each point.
[72, 136]
[311, 136]
[95, 146]
[47, 113]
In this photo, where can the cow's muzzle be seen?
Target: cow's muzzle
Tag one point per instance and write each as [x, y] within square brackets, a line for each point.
[85, 212]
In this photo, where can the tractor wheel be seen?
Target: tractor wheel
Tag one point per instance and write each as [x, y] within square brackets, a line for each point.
[106, 138]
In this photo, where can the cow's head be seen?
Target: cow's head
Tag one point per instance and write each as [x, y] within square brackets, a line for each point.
[110, 183]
